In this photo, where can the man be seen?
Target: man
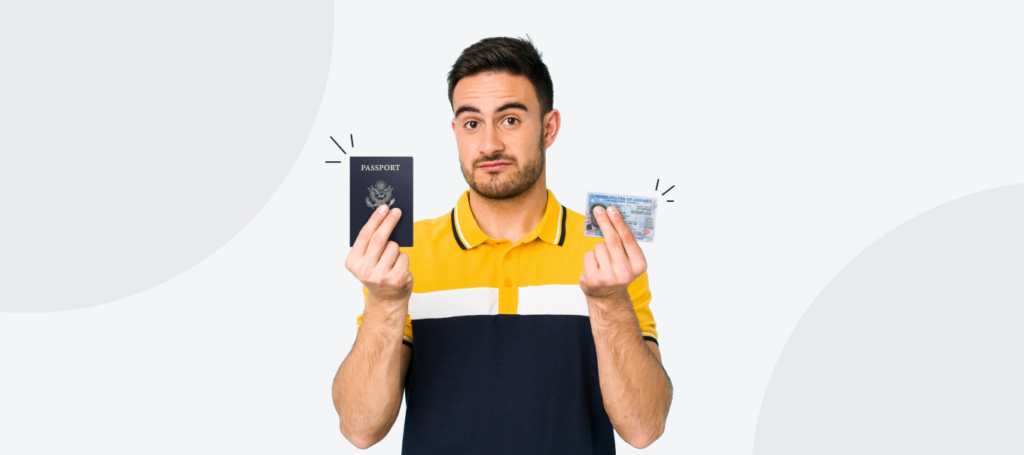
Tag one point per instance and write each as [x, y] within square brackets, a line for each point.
[518, 334]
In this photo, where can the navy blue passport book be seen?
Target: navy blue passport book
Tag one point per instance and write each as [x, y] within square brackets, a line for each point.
[376, 181]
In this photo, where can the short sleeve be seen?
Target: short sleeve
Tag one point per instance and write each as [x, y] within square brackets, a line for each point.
[640, 293]
[406, 338]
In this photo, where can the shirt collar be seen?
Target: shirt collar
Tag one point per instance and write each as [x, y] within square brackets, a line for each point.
[467, 232]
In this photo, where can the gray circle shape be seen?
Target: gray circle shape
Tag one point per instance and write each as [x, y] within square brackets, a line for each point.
[139, 137]
[916, 346]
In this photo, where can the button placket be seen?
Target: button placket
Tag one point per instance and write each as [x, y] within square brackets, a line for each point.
[508, 280]
[508, 266]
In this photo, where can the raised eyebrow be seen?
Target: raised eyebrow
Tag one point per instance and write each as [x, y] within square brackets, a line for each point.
[462, 109]
[508, 105]
[512, 105]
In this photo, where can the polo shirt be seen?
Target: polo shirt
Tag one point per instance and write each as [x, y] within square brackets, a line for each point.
[503, 353]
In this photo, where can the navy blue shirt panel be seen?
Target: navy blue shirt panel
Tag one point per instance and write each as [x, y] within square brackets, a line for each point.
[505, 384]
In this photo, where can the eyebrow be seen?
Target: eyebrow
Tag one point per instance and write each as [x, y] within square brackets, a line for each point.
[508, 105]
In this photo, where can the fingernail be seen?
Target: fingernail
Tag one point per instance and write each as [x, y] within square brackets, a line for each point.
[396, 211]
[598, 210]
[382, 208]
[612, 211]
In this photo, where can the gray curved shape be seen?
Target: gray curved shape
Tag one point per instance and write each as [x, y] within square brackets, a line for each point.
[916, 346]
[139, 137]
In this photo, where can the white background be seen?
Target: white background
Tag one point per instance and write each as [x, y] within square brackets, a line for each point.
[796, 134]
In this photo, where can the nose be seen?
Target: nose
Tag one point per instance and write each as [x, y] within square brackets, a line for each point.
[491, 142]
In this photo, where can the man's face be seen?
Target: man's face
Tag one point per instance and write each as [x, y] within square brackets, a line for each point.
[500, 133]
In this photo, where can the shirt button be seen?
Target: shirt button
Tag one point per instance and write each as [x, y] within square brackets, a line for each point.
[508, 256]
[508, 282]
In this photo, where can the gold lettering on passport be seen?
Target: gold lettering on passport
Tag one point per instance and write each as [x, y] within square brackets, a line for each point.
[379, 167]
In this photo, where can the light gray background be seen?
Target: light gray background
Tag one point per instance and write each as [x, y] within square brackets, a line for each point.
[916, 346]
[797, 134]
[139, 137]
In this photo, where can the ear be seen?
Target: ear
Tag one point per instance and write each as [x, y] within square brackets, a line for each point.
[552, 123]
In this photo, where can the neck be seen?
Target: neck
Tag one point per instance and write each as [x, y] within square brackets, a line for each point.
[510, 219]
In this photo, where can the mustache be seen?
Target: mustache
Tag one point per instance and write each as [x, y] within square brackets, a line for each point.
[480, 161]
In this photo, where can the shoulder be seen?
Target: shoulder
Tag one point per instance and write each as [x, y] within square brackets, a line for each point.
[430, 234]
[432, 226]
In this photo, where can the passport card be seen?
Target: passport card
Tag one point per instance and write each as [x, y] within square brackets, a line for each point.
[376, 181]
[639, 213]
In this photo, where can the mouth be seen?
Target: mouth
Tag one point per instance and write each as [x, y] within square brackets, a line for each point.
[495, 166]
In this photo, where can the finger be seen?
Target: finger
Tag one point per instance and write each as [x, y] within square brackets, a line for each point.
[379, 238]
[626, 234]
[601, 218]
[616, 246]
[359, 248]
[402, 263]
[603, 260]
[611, 236]
[636, 255]
[589, 261]
[608, 230]
[589, 268]
[388, 258]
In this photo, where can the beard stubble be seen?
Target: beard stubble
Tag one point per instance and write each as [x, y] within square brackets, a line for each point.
[517, 184]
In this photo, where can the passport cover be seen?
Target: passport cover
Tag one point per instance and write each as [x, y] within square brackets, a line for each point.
[380, 180]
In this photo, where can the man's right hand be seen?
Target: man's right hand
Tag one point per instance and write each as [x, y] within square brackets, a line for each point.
[378, 263]
[368, 388]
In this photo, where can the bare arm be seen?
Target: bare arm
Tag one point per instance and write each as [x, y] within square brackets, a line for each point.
[368, 388]
[635, 387]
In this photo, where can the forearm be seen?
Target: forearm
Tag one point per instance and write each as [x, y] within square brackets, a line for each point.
[635, 388]
[368, 387]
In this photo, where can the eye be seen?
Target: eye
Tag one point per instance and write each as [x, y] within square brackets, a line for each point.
[471, 124]
[513, 121]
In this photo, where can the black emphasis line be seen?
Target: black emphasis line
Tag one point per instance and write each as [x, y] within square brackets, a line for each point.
[351, 139]
[656, 185]
[339, 145]
[669, 189]
[332, 161]
[561, 238]
[670, 200]
[455, 233]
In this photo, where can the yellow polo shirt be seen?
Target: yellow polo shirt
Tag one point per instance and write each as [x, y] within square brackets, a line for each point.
[504, 359]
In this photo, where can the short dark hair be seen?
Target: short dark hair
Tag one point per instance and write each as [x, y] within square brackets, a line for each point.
[514, 56]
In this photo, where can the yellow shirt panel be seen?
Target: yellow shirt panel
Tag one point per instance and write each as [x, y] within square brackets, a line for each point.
[438, 263]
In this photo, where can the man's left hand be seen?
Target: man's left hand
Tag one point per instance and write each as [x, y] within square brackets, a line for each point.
[613, 264]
